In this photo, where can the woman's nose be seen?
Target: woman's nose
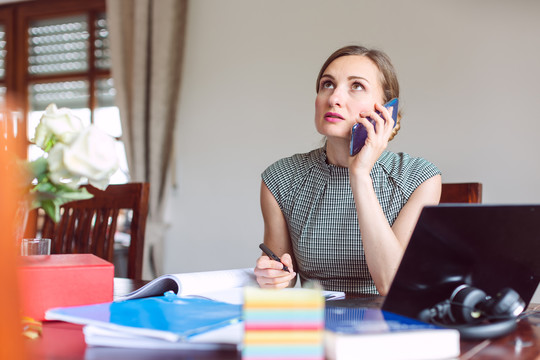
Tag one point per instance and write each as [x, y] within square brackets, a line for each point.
[336, 98]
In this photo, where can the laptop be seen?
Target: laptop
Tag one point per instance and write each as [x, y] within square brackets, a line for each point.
[489, 247]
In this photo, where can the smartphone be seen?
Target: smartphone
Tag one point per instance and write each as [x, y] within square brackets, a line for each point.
[359, 132]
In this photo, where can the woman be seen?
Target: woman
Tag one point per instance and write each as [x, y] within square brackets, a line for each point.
[344, 220]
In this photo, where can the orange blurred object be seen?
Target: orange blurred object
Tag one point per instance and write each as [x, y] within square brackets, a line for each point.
[11, 341]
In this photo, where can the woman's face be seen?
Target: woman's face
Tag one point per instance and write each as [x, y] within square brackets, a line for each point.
[349, 86]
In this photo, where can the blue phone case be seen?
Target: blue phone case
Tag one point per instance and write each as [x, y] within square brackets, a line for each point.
[359, 132]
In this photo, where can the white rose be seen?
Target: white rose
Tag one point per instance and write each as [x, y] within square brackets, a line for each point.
[59, 123]
[92, 155]
[59, 174]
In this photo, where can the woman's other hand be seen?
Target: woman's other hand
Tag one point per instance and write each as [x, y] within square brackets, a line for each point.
[270, 273]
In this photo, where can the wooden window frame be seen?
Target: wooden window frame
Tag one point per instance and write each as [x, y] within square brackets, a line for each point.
[17, 17]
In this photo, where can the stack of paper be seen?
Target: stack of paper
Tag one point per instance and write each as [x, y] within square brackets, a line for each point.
[283, 324]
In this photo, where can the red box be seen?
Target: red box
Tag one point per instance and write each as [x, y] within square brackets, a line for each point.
[63, 280]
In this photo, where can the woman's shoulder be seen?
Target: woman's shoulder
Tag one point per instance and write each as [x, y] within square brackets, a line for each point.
[407, 172]
[285, 174]
[401, 161]
[406, 169]
[295, 163]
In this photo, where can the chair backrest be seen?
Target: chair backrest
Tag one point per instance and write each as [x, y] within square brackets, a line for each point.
[89, 226]
[461, 193]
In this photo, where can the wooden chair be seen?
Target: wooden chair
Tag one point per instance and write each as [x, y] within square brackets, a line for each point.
[461, 193]
[89, 226]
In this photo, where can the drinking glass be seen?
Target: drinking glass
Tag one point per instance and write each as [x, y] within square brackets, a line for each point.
[35, 246]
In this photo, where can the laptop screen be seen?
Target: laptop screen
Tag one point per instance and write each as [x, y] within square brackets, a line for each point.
[489, 247]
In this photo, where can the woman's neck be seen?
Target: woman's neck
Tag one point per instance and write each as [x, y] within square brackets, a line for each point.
[337, 152]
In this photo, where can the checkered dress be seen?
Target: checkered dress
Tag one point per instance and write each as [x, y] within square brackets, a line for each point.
[318, 205]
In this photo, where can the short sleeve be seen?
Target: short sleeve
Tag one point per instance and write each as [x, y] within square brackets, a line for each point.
[285, 176]
[409, 172]
[278, 177]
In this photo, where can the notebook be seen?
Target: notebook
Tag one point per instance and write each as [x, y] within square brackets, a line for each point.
[489, 247]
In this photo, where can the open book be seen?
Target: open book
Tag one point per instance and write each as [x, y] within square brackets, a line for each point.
[219, 285]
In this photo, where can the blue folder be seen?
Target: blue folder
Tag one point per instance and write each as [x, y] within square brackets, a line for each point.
[168, 317]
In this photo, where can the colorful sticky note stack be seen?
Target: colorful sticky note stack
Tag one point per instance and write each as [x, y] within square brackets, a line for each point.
[283, 324]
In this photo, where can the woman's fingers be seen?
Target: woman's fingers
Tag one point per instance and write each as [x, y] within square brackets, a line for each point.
[270, 273]
[374, 121]
[385, 120]
[287, 261]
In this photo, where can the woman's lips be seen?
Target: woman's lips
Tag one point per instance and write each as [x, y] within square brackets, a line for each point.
[333, 117]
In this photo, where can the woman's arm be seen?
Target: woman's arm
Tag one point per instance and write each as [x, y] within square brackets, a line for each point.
[384, 245]
[269, 272]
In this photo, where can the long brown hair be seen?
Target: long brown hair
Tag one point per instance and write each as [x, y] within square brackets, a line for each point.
[388, 76]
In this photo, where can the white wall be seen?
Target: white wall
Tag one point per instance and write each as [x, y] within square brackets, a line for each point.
[470, 77]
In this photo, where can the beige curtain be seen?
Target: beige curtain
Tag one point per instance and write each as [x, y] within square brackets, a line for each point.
[147, 43]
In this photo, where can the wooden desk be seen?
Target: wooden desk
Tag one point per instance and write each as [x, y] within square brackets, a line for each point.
[65, 341]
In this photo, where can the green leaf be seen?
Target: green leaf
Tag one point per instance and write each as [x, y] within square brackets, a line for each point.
[46, 187]
[67, 197]
[51, 197]
[77, 196]
[39, 166]
[51, 209]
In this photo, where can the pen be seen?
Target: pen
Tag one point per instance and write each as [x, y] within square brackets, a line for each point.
[269, 252]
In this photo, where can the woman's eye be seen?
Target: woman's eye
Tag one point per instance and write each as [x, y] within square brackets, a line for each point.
[357, 86]
[327, 85]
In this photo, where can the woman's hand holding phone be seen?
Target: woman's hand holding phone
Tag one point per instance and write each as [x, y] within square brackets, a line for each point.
[359, 133]
[378, 125]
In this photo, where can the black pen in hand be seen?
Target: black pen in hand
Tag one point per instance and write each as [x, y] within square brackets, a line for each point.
[269, 252]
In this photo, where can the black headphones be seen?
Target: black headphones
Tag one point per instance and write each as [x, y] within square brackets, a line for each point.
[476, 315]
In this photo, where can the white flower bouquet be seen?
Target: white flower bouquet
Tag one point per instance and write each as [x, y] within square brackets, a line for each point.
[73, 155]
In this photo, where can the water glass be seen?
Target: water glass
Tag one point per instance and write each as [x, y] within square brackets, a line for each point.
[36, 246]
